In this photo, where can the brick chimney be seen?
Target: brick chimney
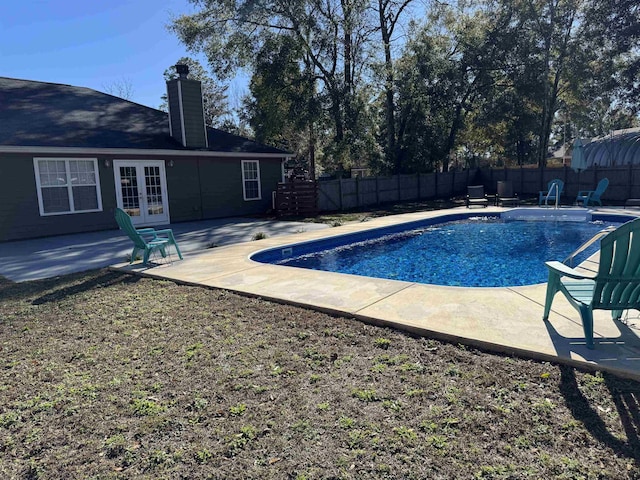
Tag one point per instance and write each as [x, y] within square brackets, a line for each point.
[186, 111]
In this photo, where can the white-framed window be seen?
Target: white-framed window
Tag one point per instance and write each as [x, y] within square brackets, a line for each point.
[251, 180]
[67, 185]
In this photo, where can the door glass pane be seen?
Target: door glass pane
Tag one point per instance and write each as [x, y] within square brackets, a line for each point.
[154, 190]
[129, 189]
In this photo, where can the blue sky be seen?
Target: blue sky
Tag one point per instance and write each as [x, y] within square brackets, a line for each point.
[91, 43]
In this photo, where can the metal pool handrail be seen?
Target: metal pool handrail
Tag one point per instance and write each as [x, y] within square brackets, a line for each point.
[546, 200]
[587, 244]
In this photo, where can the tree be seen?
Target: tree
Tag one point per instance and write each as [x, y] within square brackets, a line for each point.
[476, 78]
[122, 88]
[284, 109]
[448, 72]
[214, 95]
[603, 93]
[390, 13]
[553, 25]
[572, 54]
[330, 33]
[614, 33]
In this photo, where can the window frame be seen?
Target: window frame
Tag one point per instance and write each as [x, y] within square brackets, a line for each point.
[69, 185]
[245, 180]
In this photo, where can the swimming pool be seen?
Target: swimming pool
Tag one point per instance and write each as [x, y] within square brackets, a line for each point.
[454, 250]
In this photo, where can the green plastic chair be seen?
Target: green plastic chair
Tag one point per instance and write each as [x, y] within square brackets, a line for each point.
[615, 287]
[147, 240]
[592, 196]
[554, 187]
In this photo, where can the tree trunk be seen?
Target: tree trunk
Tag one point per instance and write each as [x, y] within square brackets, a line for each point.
[391, 153]
[552, 87]
[348, 118]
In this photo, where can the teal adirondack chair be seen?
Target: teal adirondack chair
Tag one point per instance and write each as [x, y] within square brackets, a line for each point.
[592, 196]
[615, 287]
[147, 240]
[548, 196]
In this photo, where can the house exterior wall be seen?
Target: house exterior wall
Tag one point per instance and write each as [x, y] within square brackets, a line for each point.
[226, 191]
[202, 188]
[19, 212]
[198, 188]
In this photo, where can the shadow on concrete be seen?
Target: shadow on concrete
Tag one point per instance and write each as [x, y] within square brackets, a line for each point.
[623, 349]
[47, 257]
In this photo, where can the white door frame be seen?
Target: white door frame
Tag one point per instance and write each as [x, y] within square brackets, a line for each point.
[144, 218]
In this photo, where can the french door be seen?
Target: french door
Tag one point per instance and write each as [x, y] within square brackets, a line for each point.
[141, 190]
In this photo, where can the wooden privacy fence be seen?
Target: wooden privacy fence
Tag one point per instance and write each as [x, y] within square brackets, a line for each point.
[344, 194]
[299, 198]
[624, 181]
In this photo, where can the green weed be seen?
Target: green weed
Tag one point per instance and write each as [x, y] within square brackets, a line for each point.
[438, 442]
[203, 456]
[238, 410]
[356, 439]
[406, 434]
[240, 440]
[392, 405]
[591, 381]
[545, 406]
[146, 407]
[416, 392]
[365, 395]
[192, 352]
[115, 446]
[346, 422]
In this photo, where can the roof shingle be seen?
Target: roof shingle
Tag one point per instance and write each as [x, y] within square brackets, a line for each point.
[40, 114]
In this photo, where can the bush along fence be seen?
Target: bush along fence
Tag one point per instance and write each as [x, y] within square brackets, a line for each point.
[345, 194]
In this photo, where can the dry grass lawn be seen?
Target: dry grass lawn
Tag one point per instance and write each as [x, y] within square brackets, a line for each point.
[105, 375]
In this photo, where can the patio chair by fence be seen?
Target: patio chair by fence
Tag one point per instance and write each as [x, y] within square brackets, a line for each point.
[505, 195]
[476, 196]
[146, 240]
[552, 193]
[615, 287]
[592, 196]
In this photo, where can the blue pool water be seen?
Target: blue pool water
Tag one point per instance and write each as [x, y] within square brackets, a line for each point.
[475, 252]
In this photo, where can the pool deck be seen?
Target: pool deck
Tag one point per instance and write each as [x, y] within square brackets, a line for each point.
[507, 320]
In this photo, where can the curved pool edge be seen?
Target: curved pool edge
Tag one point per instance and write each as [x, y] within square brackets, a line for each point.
[368, 230]
[501, 319]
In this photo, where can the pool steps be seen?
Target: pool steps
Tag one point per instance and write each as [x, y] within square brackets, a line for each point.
[545, 214]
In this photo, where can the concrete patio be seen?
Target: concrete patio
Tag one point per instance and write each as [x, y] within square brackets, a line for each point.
[48, 257]
[499, 319]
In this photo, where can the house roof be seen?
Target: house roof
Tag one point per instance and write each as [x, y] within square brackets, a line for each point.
[40, 114]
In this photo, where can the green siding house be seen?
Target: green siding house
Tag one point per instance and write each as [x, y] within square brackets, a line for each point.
[70, 155]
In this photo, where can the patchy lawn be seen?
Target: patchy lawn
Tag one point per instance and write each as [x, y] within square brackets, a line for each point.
[112, 376]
